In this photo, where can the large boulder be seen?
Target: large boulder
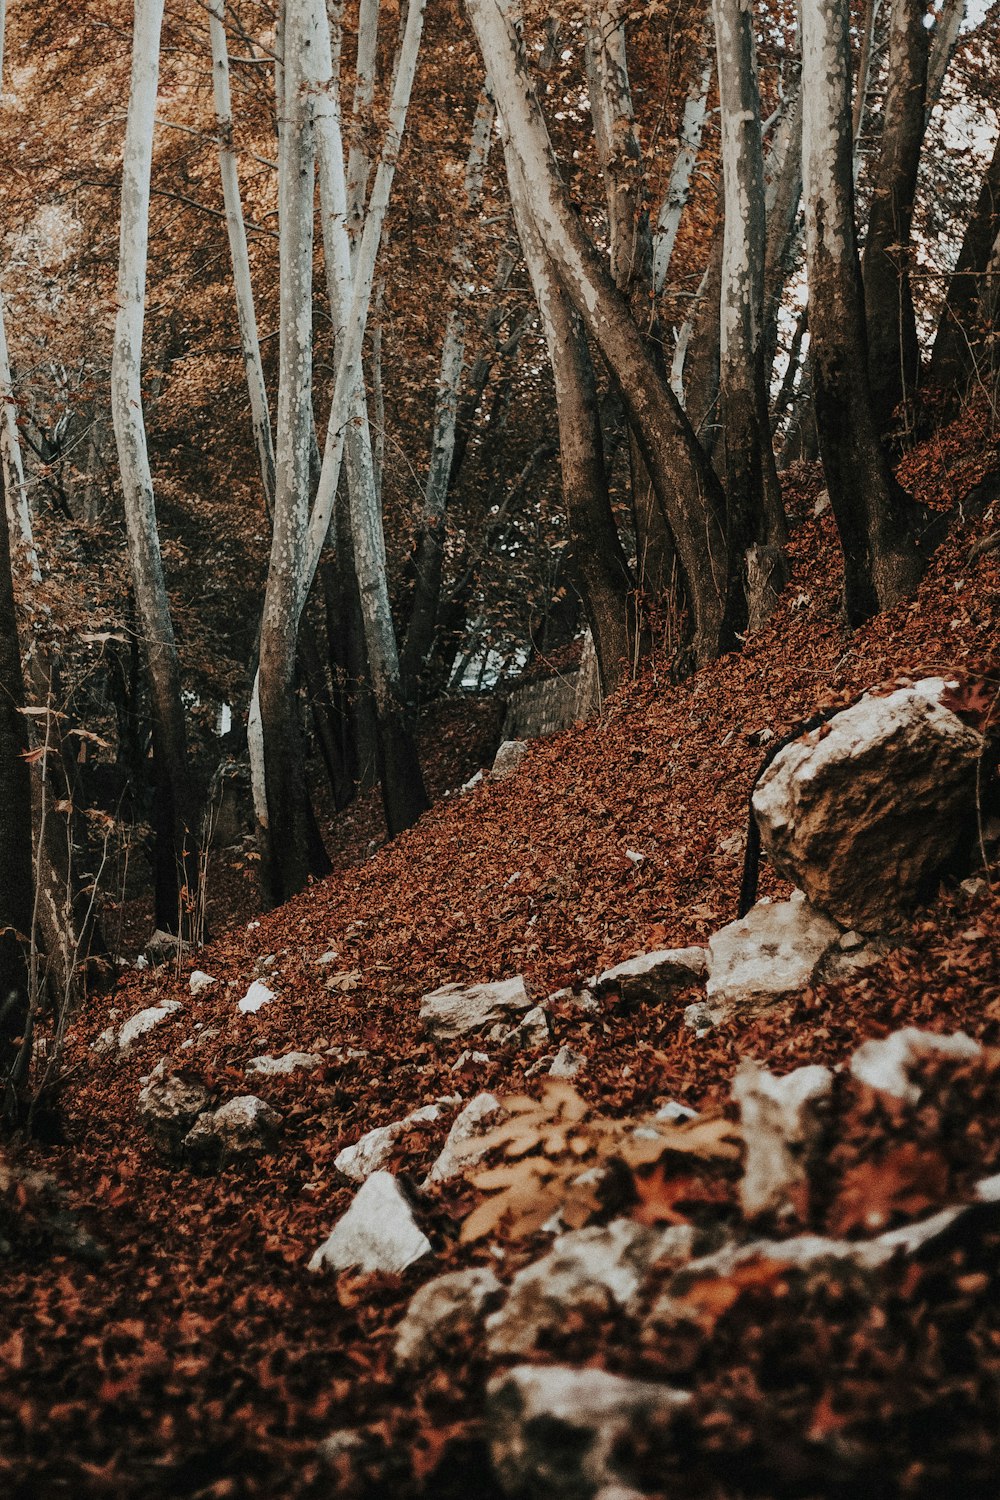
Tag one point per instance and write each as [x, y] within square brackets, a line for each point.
[456, 1009]
[862, 812]
[377, 1233]
[562, 1434]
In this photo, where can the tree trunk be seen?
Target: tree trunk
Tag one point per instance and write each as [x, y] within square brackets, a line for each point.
[753, 508]
[893, 348]
[882, 562]
[683, 478]
[15, 826]
[679, 185]
[957, 352]
[429, 556]
[597, 560]
[176, 873]
[403, 793]
[292, 850]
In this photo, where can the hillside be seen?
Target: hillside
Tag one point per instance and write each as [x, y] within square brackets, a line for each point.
[199, 1357]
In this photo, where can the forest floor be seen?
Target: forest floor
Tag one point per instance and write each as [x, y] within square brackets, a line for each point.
[201, 1358]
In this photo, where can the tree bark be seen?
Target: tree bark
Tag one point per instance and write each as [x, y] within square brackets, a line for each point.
[685, 484]
[597, 561]
[957, 351]
[291, 848]
[15, 826]
[429, 555]
[893, 347]
[753, 505]
[882, 561]
[176, 873]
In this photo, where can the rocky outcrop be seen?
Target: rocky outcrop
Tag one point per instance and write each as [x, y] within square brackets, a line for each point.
[863, 812]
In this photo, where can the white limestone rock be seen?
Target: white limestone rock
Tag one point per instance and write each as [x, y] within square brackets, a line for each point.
[507, 759]
[454, 1010]
[239, 1131]
[288, 1062]
[442, 1312]
[776, 949]
[533, 1031]
[199, 981]
[375, 1148]
[566, 1063]
[886, 1064]
[653, 978]
[782, 1121]
[256, 996]
[169, 1106]
[588, 1271]
[463, 1148]
[377, 1233]
[862, 812]
[146, 1020]
[558, 1434]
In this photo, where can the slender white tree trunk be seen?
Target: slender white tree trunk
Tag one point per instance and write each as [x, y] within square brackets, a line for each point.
[249, 342]
[679, 185]
[944, 38]
[177, 859]
[15, 485]
[429, 554]
[753, 507]
[288, 837]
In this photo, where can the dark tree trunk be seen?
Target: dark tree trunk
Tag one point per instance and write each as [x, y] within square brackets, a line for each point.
[15, 822]
[875, 518]
[958, 348]
[893, 348]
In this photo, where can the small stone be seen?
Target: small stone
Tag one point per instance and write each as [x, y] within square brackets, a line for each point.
[168, 1107]
[443, 1312]
[243, 1128]
[144, 1021]
[782, 1121]
[776, 949]
[455, 1009]
[199, 981]
[463, 1148]
[887, 1064]
[508, 758]
[566, 1063]
[288, 1062]
[106, 1042]
[257, 995]
[377, 1233]
[375, 1148]
[562, 1434]
[329, 957]
[533, 1031]
[653, 978]
[674, 1113]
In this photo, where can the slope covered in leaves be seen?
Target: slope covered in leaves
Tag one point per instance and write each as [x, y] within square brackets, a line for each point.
[201, 1358]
